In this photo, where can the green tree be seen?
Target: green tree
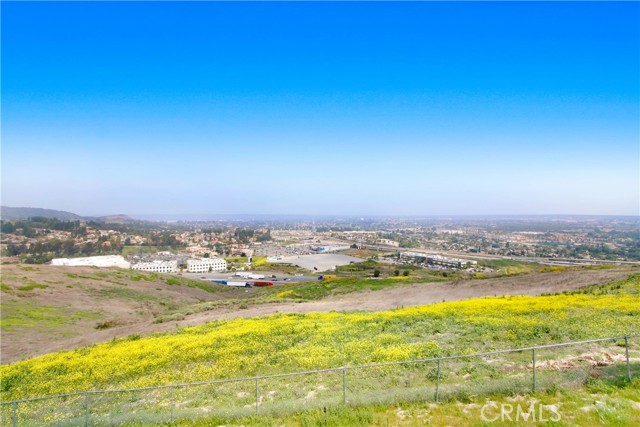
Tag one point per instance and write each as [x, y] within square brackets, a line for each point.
[8, 227]
[376, 273]
[396, 272]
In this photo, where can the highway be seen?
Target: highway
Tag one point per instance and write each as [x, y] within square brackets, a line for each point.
[539, 260]
[280, 278]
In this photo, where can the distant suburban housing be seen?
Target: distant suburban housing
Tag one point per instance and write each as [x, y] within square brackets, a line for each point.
[204, 265]
[157, 266]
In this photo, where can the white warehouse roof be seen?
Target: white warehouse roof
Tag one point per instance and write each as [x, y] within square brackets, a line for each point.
[93, 261]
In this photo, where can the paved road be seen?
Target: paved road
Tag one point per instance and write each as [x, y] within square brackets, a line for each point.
[541, 260]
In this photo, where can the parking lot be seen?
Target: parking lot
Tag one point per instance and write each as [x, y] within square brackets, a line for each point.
[320, 262]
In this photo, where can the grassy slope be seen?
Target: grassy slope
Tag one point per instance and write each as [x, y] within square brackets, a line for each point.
[598, 404]
[285, 343]
[31, 296]
[42, 304]
[24, 312]
[45, 304]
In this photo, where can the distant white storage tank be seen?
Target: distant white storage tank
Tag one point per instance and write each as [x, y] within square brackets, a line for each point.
[205, 265]
[93, 261]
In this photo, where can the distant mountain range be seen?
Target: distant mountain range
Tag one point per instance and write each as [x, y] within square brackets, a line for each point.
[8, 213]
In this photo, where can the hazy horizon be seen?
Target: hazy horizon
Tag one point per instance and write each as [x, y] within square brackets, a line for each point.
[396, 109]
[324, 216]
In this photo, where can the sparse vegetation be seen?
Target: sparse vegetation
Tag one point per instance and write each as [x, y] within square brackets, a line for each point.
[106, 325]
[554, 269]
[627, 286]
[616, 408]
[31, 285]
[17, 314]
[205, 286]
[35, 302]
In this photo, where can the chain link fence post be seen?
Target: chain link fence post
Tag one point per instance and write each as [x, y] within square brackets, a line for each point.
[533, 351]
[256, 396]
[173, 402]
[344, 387]
[15, 414]
[626, 350]
[86, 409]
[438, 383]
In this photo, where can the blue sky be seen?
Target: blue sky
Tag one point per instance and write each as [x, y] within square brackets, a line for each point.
[321, 108]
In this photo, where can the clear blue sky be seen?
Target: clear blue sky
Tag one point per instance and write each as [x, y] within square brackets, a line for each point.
[321, 108]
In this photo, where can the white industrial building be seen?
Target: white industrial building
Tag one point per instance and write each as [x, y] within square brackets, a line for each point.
[204, 265]
[389, 242]
[450, 262]
[329, 248]
[93, 261]
[437, 260]
[157, 266]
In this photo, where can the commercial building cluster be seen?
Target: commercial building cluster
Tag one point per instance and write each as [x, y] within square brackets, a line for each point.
[436, 260]
[202, 265]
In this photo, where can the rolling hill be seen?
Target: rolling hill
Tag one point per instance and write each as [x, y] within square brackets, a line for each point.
[8, 213]
[12, 214]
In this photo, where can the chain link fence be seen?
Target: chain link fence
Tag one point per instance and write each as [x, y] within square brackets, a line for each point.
[461, 378]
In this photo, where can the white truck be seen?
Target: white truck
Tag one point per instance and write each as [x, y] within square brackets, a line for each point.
[239, 284]
[246, 275]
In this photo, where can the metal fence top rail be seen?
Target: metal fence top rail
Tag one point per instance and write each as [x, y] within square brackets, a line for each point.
[318, 371]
